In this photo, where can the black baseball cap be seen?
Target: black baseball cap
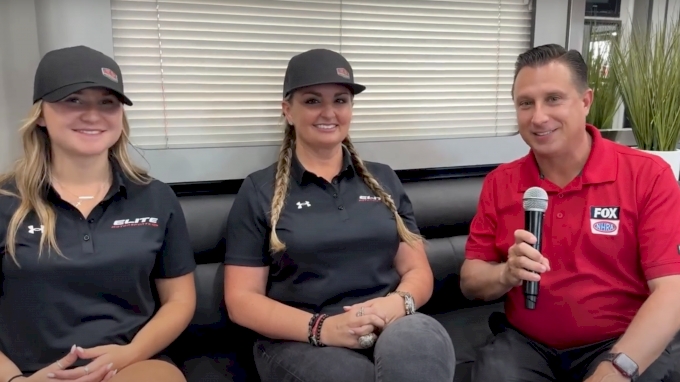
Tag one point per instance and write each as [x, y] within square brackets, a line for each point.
[316, 67]
[64, 71]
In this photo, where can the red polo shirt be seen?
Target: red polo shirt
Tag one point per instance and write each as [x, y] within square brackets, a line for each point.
[606, 233]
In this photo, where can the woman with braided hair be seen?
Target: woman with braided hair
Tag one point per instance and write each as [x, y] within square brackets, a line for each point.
[324, 260]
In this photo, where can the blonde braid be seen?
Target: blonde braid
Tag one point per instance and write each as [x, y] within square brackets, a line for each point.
[404, 233]
[281, 185]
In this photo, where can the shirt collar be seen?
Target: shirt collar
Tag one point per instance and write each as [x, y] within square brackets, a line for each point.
[601, 166]
[120, 181]
[302, 176]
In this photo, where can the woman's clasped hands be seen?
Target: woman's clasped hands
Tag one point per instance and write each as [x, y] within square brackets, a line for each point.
[361, 320]
[344, 330]
[390, 307]
[106, 361]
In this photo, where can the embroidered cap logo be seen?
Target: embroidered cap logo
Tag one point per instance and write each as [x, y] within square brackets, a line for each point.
[342, 72]
[110, 74]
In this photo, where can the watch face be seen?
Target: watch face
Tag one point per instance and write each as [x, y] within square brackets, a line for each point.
[625, 365]
[410, 304]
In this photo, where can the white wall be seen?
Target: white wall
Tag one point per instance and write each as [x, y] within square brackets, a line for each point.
[18, 59]
[70, 22]
[673, 11]
[66, 23]
[668, 10]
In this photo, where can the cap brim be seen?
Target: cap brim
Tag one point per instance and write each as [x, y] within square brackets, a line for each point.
[353, 87]
[66, 91]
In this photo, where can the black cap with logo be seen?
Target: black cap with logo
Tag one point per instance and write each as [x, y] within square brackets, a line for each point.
[62, 72]
[316, 67]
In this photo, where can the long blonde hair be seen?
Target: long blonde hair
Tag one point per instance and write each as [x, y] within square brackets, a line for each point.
[31, 174]
[283, 179]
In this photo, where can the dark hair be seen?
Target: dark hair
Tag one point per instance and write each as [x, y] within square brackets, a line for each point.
[545, 54]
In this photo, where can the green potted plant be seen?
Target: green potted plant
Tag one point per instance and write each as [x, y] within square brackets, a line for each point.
[606, 98]
[646, 65]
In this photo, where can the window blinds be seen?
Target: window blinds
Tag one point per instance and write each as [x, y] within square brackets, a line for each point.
[209, 73]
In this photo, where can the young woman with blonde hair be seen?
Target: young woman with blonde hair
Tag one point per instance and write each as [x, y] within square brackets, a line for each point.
[96, 269]
[324, 259]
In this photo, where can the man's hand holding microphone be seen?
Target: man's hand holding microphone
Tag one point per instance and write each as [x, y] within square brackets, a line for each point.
[523, 261]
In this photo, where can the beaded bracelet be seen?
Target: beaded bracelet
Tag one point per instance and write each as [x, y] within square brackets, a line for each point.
[318, 330]
[310, 329]
[314, 330]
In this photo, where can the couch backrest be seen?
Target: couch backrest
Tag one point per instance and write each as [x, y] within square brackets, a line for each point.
[443, 208]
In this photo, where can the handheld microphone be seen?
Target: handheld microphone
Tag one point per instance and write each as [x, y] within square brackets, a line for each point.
[535, 204]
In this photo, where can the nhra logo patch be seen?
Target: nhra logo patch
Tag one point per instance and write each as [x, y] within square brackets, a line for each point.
[604, 220]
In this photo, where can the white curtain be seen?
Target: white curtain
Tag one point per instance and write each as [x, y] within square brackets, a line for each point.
[209, 73]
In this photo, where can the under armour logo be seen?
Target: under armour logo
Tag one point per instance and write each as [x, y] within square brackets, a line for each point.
[300, 204]
[32, 230]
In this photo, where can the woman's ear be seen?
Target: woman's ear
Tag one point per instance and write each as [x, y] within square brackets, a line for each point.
[285, 109]
[41, 121]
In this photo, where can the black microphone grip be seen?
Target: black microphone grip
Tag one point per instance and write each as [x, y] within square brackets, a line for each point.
[533, 222]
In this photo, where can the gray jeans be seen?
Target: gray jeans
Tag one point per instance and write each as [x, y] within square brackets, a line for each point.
[510, 356]
[411, 349]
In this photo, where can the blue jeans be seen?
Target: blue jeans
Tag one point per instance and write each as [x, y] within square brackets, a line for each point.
[411, 349]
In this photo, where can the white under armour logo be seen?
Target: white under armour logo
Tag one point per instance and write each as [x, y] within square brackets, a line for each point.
[32, 230]
[300, 204]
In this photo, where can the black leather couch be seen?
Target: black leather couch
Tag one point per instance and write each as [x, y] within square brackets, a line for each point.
[215, 350]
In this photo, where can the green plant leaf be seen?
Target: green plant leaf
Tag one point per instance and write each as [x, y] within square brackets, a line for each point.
[646, 64]
[606, 98]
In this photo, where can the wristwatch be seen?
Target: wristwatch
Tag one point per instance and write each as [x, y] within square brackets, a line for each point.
[409, 302]
[624, 364]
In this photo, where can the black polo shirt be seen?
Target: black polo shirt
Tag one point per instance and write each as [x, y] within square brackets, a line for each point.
[341, 240]
[104, 291]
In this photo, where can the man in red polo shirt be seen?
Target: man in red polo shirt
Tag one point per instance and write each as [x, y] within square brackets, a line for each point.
[609, 295]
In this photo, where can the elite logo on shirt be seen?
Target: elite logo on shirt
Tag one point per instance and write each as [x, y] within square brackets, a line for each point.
[604, 220]
[139, 222]
[364, 198]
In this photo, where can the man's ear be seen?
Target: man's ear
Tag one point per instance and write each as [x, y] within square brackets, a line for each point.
[587, 99]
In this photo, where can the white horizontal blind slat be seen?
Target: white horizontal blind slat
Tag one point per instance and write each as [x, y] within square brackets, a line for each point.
[433, 69]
